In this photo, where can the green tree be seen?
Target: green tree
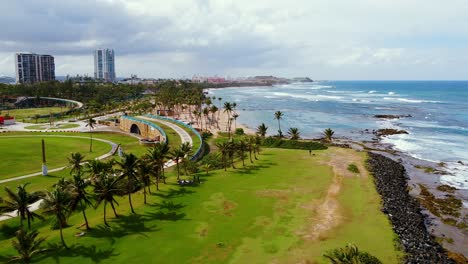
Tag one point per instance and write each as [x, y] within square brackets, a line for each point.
[27, 244]
[278, 116]
[144, 172]
[81, 199]
[294, 133]
[228, 109]
[241, 148]
[129, 166]
[19, 201]
[58, 204]
[328, 134]
[75, 162]
[106, 187]
[223, 148]
[262, 130]
[177, 156]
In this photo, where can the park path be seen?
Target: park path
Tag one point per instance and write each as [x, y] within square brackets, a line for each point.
[184, 135]
[35, 206]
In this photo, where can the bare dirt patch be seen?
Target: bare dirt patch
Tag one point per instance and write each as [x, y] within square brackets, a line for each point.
[339, 159]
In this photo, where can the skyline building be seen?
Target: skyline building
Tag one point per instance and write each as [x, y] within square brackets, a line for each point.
[32, 67]
[104, 65]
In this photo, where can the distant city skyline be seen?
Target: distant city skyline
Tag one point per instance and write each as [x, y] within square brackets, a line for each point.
[322, 39]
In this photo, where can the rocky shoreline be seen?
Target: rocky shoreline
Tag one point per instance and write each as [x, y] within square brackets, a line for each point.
[404, 212]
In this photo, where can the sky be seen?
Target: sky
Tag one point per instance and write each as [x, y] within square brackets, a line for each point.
[321, 39]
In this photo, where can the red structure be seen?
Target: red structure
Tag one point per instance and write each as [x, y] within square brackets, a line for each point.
[7, 120]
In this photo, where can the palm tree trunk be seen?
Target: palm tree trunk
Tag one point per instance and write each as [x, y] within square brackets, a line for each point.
[113, 208]
[91, 141]
[130, 201]
[250, 155]
[105, 222]
[144, 194]
[61, 234]
[157, 183]
[85, 218]
[29, 223]
[178, 172]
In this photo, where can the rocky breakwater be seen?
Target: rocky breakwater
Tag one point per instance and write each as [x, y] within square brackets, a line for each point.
[404, 212]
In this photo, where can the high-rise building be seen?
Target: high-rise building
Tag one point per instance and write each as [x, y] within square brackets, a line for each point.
[104, 66]
[32, 68]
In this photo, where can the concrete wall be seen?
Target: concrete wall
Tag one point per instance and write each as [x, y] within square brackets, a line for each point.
[146, 131]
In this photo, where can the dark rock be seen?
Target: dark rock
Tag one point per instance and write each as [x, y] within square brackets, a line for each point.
[388, 132]
[404, 212]
[391, 116]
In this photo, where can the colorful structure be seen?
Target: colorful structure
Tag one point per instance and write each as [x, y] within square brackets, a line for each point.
[144, 128]
[7, 120]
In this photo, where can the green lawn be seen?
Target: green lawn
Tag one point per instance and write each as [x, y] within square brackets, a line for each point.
[264, 213]
[173, 138]
[56, 127]
[23, 155]
[29, 113]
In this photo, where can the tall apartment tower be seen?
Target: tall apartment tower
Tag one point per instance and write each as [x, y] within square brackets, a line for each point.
[32, 68]
[104, 66]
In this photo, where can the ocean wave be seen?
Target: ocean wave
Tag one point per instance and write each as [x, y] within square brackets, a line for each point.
[308, 96]
[372, 91]
[405, 100]
[391, 93]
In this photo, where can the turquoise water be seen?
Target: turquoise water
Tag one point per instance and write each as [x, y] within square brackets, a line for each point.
[438, 128]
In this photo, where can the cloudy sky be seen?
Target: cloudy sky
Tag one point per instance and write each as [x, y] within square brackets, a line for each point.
[322, 39]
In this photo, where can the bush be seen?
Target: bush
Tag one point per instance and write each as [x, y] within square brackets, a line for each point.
[206, 134]
[272, 142]
[353, 168]
[239, 131]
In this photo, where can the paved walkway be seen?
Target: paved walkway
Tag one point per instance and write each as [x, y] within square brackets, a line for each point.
[35, 206]
[184, 135]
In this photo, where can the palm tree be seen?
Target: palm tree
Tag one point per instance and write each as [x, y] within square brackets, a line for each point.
[129, 167]
[279, 116]
[75, 162]
[294, 133]
[58, 203]
[228, 109]
[235, 116]
[232, 149]
[144, 172]
[241, 148]
[90, 125]
[177, 155]
[96, 167]
[256, 150]
[186, 148]
[27, 244]
[213, 110]
[223, 147]
[19, 201]
[328, 134]
[105, 189]
[81, 199]
[262, 130]
[156, 157]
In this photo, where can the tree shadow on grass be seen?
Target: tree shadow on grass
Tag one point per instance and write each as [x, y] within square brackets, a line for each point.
[91, 252]
[166, 215]
[168, 205]
[171, 193]
[123, 226]
[250, 169]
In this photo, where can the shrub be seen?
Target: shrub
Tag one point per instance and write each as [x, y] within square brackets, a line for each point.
[272, 142]
[353, 168]
[214, 159]
[239, 131]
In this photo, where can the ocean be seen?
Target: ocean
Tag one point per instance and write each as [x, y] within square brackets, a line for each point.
[438, 126]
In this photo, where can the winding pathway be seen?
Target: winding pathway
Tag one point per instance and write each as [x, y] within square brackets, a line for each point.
[35, 206]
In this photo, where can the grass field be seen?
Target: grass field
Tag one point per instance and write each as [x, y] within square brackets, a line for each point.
[269, 212]
[56, 127]
[23, 155]
[29, 113]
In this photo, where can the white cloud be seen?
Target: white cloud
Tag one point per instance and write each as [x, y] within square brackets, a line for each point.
[325, 39]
